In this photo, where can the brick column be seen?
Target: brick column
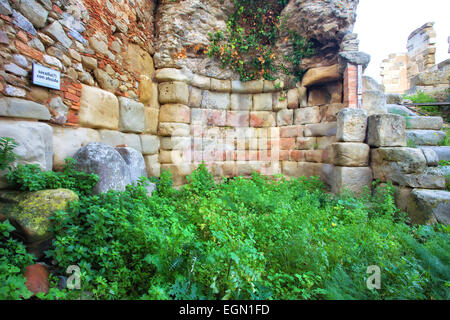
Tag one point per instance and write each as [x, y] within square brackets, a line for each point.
[351, 86]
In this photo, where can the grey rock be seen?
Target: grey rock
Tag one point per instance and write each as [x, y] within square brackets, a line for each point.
[14, 91]
[5, 8]
[425, 137]
[328, 174]
[71, 23]
[370, 84]
[105, 81]
[107, 163]
[351, 125]
[34, 12]
[429, 206]
[353, 57]
[23, 23]
[13, 107]
[446, 172]
[58, 105]
[15, 69]
[37, 44]
[56, 32]
[442, 152]
[135, 162]
[431, 157]
[77, 36]
[386, 130]
[424, 123]
[394, 98]
[20, 60]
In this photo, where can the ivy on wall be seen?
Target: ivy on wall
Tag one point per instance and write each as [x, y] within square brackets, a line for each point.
[247, 45]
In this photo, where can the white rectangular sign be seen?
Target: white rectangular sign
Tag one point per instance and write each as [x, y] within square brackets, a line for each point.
[46, 77]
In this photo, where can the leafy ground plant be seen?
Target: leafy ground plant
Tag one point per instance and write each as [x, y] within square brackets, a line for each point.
[258, 238]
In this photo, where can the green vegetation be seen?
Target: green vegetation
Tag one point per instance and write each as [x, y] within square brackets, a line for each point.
[13, 261]
[258, 238]
[446, 141]
[31, 178]
[247, 45]
[7, 155]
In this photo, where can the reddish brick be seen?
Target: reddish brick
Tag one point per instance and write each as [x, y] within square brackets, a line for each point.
[296, 155]
[72, 117]
[28, 51]
[57, 9]
[287, 143]
[71, 97]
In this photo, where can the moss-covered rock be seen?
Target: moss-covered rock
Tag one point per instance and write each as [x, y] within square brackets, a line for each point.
[30, 211]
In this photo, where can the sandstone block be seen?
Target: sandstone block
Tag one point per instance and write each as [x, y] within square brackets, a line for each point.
[321, 75]
[151, 116]
[195, 97]
[67, 141]
[353, 179]
[291, 131]
[179, 172]
[429, 206]
[292, 98]
[175, 113]
[279, 101]
[351, 125]
[220, 85]
[132, 115]
[20, 108]
[152, 165]
[254, 86]
[351, 154]
[150, 144]
[215, 100]
[320, 129]
[262, 119]
[386, 130]
[307, 115]
[167, 129]
[241, 101]
[262, 102]
[116, 138]
[425, 137]
[424, 123]
[171, 74]
[98, 109]
[285, 117]
[374, 102]
[173, 92]
[238, 118]
[176, 143]
[306, 143]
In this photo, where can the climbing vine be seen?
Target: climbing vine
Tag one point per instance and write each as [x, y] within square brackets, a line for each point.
[248, 42]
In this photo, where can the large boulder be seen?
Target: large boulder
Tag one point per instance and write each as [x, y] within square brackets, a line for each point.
[429, 206]
[135, 162]
[30, 212]
[107, 163]
[353, 179]
[116, 167]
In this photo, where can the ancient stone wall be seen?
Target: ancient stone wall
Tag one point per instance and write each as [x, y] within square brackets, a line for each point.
[187, 111]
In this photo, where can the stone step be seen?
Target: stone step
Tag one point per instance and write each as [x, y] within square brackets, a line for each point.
[429, 206]
[443, 152]
[400, 110]
[424, 123]
[425, 137]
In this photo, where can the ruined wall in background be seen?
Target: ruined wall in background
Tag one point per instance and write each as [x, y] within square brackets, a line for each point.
[421, 48]
[394, 73]
[416, 70]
